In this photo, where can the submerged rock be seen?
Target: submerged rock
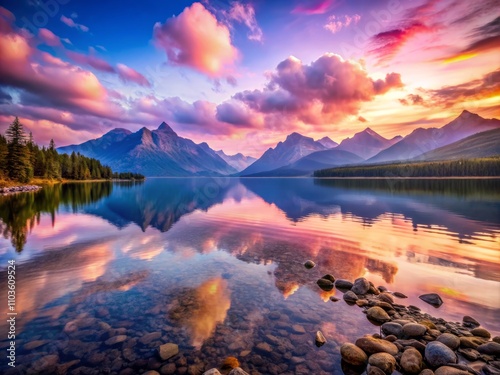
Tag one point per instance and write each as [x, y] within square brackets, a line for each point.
[353, 355]
[309, 264]
[432, 299]
[168, 350]
[230, 362]
[320, 339]
[325, 284]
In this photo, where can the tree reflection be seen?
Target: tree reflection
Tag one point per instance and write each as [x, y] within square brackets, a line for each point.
[19, 213]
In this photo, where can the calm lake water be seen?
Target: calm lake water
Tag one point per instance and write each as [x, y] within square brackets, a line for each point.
[216, 266]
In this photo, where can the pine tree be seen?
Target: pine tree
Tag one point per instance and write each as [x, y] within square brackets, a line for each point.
[18, 164]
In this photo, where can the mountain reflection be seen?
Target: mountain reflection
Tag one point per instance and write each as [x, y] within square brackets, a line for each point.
[201, 309]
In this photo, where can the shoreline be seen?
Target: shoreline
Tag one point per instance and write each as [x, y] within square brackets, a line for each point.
[411, 341]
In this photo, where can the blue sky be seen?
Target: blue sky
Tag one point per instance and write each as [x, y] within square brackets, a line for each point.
[241, 75]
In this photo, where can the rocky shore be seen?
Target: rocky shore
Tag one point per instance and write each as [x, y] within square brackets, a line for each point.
[409, 341]
[18, 189]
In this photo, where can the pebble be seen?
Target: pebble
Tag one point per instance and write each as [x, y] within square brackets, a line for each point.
[411, 361]
[481, 332]
[471, 342]
[238, 371]
[371, 345]
[432, 299]
[448, 370]
[469, 321]
[320, 339]
[438, 354]
[343, 284]
[325, 284]
[212, 371]
[329, 277]
[115, 340]
[360, 286]
[399, 295]
[168, 350]
[414, 330]
[490, 348]
[350, 297]
[384, 361]
[450, 340]
[309, 264]
[377, 314]
[392, 328]
[353, 355]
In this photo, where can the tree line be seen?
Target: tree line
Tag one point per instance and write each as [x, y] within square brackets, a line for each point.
[21, 159]
[478, 167]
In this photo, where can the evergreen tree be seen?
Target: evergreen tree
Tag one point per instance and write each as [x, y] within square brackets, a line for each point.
[18, 164]
[4, 150]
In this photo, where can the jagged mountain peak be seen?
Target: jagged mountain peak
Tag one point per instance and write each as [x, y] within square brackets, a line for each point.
[165, 128]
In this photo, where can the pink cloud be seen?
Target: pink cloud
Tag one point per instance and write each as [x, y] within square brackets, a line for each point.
[130, 75]
[313, 7]
[49, 38]
[390, 42]
[336, 23]
[245, 13]
[327, 90]
[196, 39]
[69, 22]
[92, 61]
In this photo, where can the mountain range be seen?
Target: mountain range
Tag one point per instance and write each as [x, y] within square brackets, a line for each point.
[162, 152]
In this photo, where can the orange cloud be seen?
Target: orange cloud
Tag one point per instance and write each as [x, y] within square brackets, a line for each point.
[196, 39]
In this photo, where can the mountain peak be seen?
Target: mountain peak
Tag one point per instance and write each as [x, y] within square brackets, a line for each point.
[165, 128]
[294, 137]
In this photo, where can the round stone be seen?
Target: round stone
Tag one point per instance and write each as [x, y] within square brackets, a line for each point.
[438, 354]
[414, 330]
[411, 361]
[384, 361]
[353, 355]
[450, 340]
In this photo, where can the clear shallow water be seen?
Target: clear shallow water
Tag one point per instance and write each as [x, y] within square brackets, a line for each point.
[216, 266]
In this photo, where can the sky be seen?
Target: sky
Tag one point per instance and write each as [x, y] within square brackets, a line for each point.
[242, 75]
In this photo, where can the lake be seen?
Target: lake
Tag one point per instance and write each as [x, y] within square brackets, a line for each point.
[216, 266]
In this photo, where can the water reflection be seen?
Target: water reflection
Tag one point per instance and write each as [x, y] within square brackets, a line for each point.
[200, 309]
[19, 213]
[202, 261]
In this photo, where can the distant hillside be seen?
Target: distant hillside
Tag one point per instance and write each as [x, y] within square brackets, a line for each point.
[476, 146]
[292, 149]
[423, 140]
[367, 143]
[160, 152]
[479, 167]
[237, 161]
[308, 164]
[327, 142]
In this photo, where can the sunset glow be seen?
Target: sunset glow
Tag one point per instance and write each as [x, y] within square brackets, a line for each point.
[242, 75]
